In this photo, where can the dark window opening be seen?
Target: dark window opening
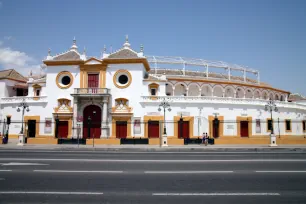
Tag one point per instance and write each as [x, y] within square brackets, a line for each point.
[20, 92]
[288, 125]
[123, 79]
[153, 92]
[304, 125]
[37, 92]
[270, 124]
[66, 80]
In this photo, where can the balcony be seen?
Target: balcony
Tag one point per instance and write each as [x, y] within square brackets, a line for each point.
[219, 100]
[91, 91]
[19, 99]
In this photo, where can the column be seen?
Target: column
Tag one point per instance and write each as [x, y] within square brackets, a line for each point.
[105, 127]
[173, 89]
[75, 115]
[229, 73]
[258, 78]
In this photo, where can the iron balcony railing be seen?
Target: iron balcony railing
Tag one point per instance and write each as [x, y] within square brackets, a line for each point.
[91, 91]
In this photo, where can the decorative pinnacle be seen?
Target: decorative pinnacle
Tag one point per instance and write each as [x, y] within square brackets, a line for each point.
[49, 52]
[141, 48]
[126, 44]
[74, 46]
[84, 51]
[104, 49]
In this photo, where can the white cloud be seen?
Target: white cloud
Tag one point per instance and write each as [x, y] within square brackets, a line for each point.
[20, 61]
[8, 37]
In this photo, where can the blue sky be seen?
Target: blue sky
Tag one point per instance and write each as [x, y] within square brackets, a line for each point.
[267, 35]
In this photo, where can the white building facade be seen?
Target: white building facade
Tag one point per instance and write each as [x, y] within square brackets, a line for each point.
[116, 97]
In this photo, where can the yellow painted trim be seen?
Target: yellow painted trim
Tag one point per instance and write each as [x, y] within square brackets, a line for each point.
[61, 101]
[37, 118]
[98, 68]
[65, 117]
[81, 78]
[221, 125]
[92, 58]
[146, 119]
[153, 86]
[50, 140]
[12, 136]
[121, 118]
[286, 125]
[64, 73]
[238, 119]
[103, 141]
[190, 119]
[66, 62]
[120, 72]
[36, 86]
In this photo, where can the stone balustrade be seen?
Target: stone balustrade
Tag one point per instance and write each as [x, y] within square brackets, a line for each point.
[19, 99]
[220, 100]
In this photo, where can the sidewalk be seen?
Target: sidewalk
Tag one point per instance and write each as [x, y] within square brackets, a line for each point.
[13, 145]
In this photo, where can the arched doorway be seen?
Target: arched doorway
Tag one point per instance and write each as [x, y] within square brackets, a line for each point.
[95, 114]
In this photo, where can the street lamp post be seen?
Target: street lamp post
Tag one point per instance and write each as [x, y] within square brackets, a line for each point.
[271, 106]
[93, 135]
[164, 105]
[24, 106]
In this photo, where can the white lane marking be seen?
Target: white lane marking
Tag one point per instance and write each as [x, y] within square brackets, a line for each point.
[73, 171]
[5, 170]
[153, 160]
[186, 172]
[280, 171]
[22, 164]
[51, 192]
[215, 194]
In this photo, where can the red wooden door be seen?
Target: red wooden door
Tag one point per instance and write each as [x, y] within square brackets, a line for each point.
[121, 129]
[95, 114]
[93, 83]
[153, 129]
[183, 129]
[93, 80]
[215, 130]
[63, 129]
[244, 128]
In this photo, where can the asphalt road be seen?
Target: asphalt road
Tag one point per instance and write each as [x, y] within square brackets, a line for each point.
[152, 177]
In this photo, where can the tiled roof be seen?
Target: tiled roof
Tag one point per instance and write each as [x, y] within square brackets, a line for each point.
[12, 74]
[67, 56]
[124, 53]
[296, 97]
